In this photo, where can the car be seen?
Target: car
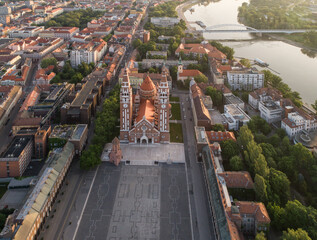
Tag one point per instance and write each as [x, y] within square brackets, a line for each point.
[10, 133]
[184, 117]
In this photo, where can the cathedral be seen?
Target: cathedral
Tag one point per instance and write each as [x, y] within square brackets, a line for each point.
[144, 116]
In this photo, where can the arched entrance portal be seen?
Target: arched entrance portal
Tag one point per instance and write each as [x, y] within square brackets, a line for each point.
[144, 140]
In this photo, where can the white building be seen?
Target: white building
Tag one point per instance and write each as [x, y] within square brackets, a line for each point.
[270, 111]
[164, 21]
[245, 80]
[235, 117]
[89, 52]
[295, 123]
[31, 31]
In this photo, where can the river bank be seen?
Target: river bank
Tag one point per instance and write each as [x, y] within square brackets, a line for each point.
[182, 8]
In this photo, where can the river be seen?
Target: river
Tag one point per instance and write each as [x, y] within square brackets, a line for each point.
[297, 69]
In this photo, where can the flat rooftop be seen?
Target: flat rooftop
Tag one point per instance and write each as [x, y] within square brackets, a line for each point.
[16, 147]
[91, 82]
[234, 99]
[271, 105]
[236, 112]
[78, 132]
[63, 131]
[201, 136]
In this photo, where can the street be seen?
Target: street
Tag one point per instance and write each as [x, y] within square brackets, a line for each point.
[201, 216]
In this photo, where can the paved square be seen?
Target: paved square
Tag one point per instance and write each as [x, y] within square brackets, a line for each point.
[137, 202]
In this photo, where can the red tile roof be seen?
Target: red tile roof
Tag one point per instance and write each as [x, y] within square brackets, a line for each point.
[254, 208]
[190, 73]
[146, 110]
[214, 136]
[237, 179]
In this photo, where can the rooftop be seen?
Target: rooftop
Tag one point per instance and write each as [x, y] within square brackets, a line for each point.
[16, 147]
[201, 135]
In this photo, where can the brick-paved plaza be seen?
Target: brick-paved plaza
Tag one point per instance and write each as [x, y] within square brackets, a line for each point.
[137, 202]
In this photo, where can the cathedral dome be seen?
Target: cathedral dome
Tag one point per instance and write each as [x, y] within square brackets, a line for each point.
[147, 88]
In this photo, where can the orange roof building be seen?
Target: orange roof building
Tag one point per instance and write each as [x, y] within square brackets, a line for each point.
[144, 116]
[237, 179]
[218, 136]
[200, 49]
[44, 75]
[184, 74]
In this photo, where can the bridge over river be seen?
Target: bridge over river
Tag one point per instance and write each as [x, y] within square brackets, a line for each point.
[225, 28]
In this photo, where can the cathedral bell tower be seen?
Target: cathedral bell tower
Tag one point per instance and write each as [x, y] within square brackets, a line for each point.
[163, 108]
[125, 107]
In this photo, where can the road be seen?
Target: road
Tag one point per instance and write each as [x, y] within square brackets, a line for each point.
[201, 216]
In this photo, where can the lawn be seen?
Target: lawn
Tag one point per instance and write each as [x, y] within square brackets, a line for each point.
[174, 99]
[176, 111]
[176, 132]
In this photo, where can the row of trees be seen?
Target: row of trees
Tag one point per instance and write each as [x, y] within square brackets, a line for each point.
[277, 167]
[78, 18]
[268, 14]
[277, 82]
[225, 49]
[106, 128]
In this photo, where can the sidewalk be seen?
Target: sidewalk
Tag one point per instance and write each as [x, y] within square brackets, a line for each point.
[61, 223]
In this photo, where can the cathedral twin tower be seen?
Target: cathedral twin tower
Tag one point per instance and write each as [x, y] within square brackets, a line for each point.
[144, 116]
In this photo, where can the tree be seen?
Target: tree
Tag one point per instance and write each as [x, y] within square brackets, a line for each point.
[201, 78]
[254, 152]
[304, 157]
[260, 188]
[236, 163]
[260, 166]
[260, 236]
[286, 165]
[229, 149]
[76, 78]
[298, 234]
[281, 133]
[136, 43]
[245, 62]
[258, 124]
[296, 215]
[280, 185]
[215, 95]
[48, 61]
[274, 140]
[218, 127]
[245, 136]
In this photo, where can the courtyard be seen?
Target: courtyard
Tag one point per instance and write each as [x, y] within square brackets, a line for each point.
[137, 202]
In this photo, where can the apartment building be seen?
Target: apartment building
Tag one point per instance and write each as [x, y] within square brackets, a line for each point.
[65, 33]
[235, 117]
[25, 32]
[246, 79]
[296, 122]
[9, 96]
[270, 110]
[39, 203]
[16, 158]
[90, 52]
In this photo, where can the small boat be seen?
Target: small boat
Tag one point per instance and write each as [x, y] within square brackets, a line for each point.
[201, 24]
[192, 10]
[260, 62]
